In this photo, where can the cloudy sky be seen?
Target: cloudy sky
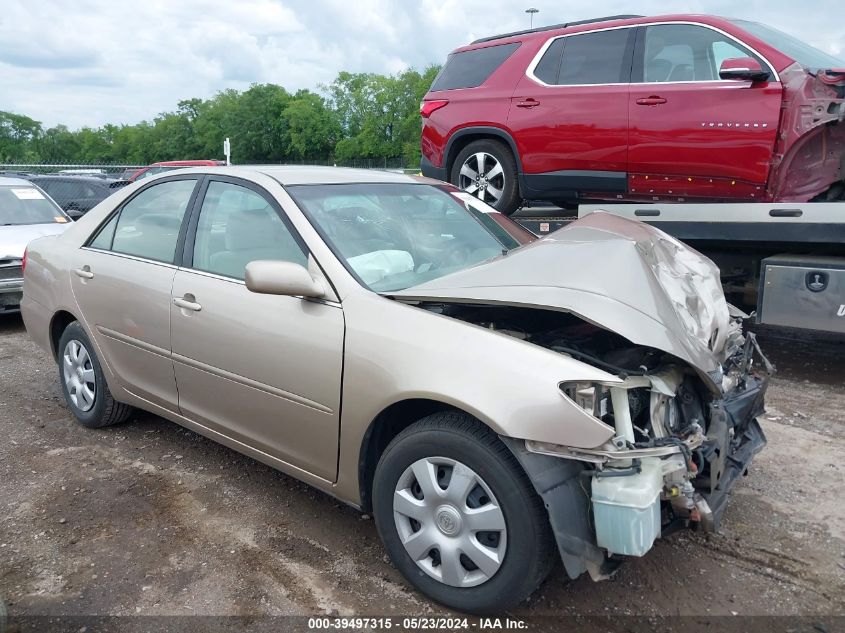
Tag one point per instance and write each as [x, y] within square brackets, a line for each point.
[90, 62]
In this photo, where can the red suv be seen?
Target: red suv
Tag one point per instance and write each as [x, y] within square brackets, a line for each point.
[673, 107]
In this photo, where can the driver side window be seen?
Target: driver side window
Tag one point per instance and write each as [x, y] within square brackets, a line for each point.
[237, 226]
[687, 52]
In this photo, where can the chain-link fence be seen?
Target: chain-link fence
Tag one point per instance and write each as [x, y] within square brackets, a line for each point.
[109, 170]
[24, 170]
[77, 188]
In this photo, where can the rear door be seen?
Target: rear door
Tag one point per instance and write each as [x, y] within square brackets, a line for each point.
[262, 369]
[569, 114]
[691, 133]
[122, 280]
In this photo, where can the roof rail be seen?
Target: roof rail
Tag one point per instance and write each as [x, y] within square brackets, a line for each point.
[552, 27]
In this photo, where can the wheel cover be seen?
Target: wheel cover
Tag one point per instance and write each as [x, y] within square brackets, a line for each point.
[449, 522]
[78, 372]
[482, 175]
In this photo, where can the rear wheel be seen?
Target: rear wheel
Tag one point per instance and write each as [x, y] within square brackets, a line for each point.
[459, 517]
[83, 383]
[487, 170]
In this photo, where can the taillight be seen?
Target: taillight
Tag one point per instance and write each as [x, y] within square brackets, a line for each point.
[427, 107]
[23, 261]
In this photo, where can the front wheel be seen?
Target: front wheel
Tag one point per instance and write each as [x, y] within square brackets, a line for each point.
[487, 170]
[459, 517]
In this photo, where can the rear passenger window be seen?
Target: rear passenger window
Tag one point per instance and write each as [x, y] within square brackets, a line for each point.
[595, 58]
[104, 237]
[549, 65]
[237, 226]
[148, 225]
[469, 69]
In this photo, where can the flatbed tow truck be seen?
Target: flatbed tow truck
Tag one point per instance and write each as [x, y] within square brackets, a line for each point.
[785, 262]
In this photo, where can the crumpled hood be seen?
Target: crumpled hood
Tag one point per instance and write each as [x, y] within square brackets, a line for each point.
[13, 239]
[625, 276]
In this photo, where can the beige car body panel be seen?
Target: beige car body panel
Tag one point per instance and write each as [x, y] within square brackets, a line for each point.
[242, 358]
[125, 307]
[273, 381]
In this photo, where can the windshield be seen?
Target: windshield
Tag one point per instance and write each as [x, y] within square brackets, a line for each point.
[394, 236]
[806, 55]
[27, 205]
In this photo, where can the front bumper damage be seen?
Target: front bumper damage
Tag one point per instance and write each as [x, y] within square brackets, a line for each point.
[715, 461]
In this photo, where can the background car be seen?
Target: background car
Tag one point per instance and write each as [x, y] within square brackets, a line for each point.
[677, 107]
[25, 214]
[77, 194]
[374, 335]
[158, 168]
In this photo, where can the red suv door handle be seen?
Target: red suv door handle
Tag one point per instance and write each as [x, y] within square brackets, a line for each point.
[651, 101]
[527, 103]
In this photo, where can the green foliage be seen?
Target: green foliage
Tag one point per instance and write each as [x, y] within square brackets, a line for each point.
[363, 116]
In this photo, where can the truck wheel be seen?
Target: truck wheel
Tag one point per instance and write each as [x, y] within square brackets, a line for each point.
[83, 383]
[459, 517]
[487, 170]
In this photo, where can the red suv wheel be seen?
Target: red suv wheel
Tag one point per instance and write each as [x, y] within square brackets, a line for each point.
[487, 170]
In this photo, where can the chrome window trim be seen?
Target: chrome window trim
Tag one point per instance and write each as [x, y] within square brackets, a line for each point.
[205, 273]
[128, 256]
[529, 72]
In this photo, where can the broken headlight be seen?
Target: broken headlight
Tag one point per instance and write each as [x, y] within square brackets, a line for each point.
[590, 396]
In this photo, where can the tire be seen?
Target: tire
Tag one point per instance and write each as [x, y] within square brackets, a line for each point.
[524, 551]
[83, 383]
[496, 154]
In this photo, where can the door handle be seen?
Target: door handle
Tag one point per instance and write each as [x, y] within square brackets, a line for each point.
[186, 304]
[84, 272]
[651, 101]
[527, 103]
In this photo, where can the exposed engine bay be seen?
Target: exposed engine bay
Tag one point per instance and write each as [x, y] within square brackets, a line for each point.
[679, 446]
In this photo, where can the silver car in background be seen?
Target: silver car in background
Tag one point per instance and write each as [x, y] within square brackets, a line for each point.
[497, 402]
[25, 214]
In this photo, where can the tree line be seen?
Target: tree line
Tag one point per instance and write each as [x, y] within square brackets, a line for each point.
[357, 116]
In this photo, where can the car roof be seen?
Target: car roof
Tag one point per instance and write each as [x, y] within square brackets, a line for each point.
[7, 181]
[554, 27]
[612, 21]
[315, 174]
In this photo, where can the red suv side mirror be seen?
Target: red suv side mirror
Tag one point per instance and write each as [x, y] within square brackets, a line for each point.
[743, 69]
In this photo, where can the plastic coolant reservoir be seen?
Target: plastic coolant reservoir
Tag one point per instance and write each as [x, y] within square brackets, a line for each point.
[627, 510]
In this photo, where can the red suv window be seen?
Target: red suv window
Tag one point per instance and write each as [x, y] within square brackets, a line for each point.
[590, 58]
[469, 69]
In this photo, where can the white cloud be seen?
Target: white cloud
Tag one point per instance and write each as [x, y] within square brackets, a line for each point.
[95, 61]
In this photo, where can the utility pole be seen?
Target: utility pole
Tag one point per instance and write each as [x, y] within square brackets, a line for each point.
[531, 13]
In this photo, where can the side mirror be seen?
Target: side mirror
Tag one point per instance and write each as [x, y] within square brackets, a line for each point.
[742, 69]
[272, 277]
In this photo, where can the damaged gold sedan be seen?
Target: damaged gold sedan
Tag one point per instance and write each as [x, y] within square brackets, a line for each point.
[490, 398]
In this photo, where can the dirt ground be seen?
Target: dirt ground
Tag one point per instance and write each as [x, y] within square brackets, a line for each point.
[149, 518]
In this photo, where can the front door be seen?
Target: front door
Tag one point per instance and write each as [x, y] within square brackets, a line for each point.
[569, 115]
[122, 280]
[691, 133]
[264, 370]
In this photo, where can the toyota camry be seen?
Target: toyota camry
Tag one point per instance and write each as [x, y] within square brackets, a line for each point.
[495, 401]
